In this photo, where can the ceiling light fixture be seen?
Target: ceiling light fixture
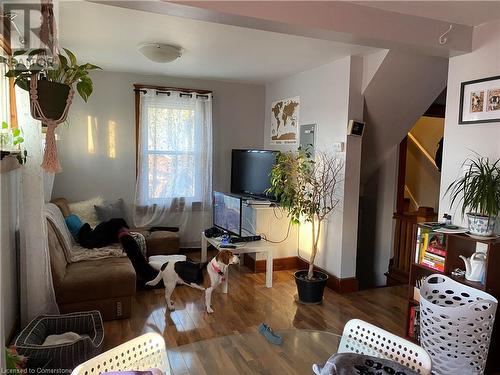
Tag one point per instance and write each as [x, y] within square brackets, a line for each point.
[159, 52]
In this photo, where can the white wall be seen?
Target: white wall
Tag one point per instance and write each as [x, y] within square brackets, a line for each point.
[8, 267]
[328, 97]
[238, 117]
[461, 140]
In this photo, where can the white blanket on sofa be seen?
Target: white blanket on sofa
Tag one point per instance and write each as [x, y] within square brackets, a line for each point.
[72, 251]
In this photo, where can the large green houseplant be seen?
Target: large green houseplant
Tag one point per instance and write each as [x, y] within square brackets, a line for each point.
[308, 190]
[55, 76]
[478, 191]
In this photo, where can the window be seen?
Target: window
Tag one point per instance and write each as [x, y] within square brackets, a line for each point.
[174, 150]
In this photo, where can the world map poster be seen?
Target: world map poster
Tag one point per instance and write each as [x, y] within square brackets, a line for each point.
[285, 121]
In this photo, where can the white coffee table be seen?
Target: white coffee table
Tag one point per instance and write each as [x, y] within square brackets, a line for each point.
[242, 248]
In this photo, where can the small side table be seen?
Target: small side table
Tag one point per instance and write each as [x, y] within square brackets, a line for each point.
[244, 248]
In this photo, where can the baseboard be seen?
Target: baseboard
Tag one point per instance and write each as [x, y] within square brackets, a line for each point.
[279, 264]
[342, 286]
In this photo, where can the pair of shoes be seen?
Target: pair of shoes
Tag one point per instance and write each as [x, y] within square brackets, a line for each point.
[269, 334]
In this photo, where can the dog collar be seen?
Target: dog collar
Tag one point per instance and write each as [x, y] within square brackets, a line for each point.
[216, 268]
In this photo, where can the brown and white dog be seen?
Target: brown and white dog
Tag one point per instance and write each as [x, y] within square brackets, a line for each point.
[191, 274]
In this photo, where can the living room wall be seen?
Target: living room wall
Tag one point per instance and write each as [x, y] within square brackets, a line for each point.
[89, 169]
[461, 141]
[329, 96]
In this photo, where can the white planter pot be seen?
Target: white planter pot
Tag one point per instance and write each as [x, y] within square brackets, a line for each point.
[481, 225]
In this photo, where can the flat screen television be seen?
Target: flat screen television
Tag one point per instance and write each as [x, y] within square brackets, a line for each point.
[250, 172]
[227, 212]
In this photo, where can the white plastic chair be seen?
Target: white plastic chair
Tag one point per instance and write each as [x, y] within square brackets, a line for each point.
[365, 338]
[144, 352]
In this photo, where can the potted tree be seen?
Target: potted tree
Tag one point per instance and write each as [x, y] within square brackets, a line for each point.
[478, 190]
[308, 190]
[55, 77]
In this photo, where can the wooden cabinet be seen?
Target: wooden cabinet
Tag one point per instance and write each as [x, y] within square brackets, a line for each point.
[456, 245]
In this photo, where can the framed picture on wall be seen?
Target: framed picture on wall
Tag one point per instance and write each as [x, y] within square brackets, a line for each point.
[480, 101]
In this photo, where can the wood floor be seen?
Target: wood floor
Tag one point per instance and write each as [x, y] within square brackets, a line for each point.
[249, 303]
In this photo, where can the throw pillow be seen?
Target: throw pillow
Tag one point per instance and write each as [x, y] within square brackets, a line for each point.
[85, 210]
[110, 211]
[74, 224]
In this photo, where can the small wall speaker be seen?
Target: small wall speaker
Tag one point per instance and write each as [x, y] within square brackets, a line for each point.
[355, 128]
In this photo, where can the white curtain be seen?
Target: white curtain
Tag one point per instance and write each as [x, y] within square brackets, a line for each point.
[174, 177]
[37, 292]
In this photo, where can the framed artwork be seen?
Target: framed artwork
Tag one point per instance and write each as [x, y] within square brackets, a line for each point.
[480, 101]
[285, 121]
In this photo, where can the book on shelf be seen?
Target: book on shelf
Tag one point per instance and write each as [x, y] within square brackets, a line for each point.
[414, 323]
[436, 250]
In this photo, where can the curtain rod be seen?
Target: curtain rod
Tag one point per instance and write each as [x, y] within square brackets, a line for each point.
[181, 94]
[139, 86]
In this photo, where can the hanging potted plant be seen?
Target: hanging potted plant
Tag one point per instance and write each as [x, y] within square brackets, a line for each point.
[54, 78]
[478, 190]
[307, 189]
[49, 80]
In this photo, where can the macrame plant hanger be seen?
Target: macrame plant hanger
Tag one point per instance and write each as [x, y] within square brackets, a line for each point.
[50, 161]
[48, 34]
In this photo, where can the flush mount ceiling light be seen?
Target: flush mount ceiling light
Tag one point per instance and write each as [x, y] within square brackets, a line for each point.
[159, 52]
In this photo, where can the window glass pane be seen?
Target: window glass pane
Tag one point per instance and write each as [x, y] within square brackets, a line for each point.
[171, 129]
[171, 175]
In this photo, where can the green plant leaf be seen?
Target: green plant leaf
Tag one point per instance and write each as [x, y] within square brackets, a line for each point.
[5, 125]
[84, 87]
[18, 140]
[23, 83]
[72, 57]
[19, 52]
[16, 132]
[37, 51]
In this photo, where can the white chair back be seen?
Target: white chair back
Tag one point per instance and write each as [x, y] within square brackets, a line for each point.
[144, 352]
[365, 338]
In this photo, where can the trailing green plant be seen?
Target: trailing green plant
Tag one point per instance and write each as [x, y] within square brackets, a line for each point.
[11, 140]
[62, 69]
[478, 190]
[14, 362]
[307, 189]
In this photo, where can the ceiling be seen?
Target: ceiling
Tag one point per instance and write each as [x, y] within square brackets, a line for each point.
[109, 36]
[471, 13]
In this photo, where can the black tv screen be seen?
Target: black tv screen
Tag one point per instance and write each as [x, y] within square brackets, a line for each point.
[250, 172]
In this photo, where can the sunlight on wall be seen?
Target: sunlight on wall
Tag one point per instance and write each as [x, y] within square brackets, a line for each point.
[112, 139]
[305, 239]
[91, 134]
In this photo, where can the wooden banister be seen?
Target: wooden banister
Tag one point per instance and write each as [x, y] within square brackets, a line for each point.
[404, 232]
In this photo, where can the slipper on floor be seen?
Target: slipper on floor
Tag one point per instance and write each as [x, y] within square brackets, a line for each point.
[270, 335]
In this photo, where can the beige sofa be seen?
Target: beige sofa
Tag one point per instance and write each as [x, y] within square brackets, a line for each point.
[106, 285]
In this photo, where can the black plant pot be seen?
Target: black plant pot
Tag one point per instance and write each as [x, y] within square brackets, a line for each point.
[52, 97]
[310, 291]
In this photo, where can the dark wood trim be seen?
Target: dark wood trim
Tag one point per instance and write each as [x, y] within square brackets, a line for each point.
[137, 125]
[139, 86]
[342, 286]
[279, 264]
[339, 285]
[436, 110]
[400, 188]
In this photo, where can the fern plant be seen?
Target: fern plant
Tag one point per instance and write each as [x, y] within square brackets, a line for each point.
[478, 190]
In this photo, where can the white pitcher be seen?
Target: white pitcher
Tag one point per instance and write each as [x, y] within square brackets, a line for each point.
[474, 266]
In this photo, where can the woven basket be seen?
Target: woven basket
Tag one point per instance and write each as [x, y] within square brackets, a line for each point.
[456, 322]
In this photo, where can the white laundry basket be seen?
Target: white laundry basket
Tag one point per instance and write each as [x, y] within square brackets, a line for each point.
[456, 322]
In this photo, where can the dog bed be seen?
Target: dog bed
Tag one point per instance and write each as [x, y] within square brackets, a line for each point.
[88, 325]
